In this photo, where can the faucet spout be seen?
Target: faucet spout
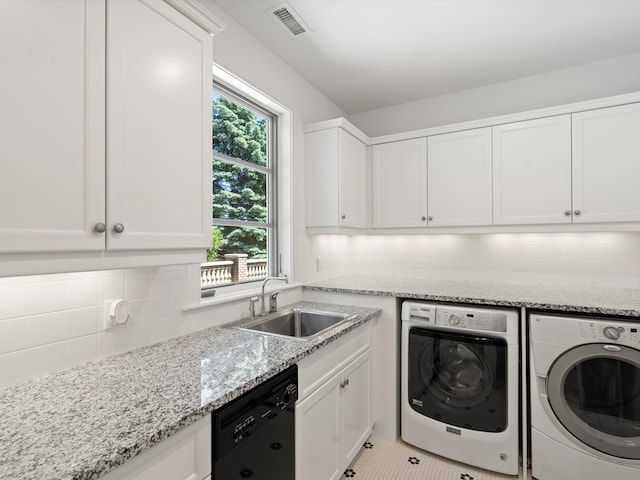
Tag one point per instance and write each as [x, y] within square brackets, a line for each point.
[263, 310]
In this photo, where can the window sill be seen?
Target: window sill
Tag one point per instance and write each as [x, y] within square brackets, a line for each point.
[208, 302]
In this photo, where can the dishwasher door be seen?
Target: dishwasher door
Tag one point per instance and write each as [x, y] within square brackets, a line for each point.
[254, 435]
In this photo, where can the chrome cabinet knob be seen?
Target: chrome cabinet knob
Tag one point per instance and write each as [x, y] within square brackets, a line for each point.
[100, 228]
[429, 218]
[118, 228]
[343, 217]
[567, 212]
[577, 212]
[423, 218]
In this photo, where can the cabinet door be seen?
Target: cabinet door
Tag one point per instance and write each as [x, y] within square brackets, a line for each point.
[318, 447]
[183, 456]
[352, 162]
[52, 122]
[158, 127]
[532, 171]
[400, 184]
[459, 178]
[606, 165]
[356, 406]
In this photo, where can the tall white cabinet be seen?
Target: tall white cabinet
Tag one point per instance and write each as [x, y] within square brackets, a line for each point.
[606, 164]
[73, 70]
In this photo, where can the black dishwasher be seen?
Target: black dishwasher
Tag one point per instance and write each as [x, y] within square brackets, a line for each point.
[254, 435]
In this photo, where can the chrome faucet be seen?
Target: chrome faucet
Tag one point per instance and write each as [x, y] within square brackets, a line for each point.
[273, 303]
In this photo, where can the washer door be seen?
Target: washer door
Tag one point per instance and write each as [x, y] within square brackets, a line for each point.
[458, 379]
[594, 391]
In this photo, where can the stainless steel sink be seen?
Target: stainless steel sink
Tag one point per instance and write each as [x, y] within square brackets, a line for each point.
[303, 323]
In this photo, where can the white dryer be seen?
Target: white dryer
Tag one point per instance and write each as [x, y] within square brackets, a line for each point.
[459, 383]
[585, 398]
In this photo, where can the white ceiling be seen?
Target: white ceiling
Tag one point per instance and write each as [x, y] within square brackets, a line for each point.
[369, 54]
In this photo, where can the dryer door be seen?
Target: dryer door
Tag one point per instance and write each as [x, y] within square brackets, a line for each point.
[594, 391]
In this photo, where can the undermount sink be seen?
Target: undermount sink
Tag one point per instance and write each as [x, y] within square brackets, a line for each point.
[302, 323]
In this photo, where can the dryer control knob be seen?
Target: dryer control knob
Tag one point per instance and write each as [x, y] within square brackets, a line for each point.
[454, 319]
[611, 333]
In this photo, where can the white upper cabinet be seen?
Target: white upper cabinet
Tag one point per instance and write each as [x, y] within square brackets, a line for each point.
[459, 178]
[532, 172]
[606, 165]
[66, 185]
[158, 127]
[52, 178]
[335, 176]
[400, 184]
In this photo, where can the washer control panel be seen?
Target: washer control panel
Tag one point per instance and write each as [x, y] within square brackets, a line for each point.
[489, 321]
[628, 334]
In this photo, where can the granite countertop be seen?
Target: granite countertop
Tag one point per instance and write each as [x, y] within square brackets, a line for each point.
[590, 300]
[83, 422]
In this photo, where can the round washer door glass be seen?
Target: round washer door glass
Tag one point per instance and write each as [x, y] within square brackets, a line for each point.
[594, 391]
[458, 379]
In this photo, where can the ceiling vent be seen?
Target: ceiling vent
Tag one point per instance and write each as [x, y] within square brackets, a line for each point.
[287, 17]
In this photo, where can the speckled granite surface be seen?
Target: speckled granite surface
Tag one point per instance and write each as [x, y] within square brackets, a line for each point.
[591, 300]
[83, 422]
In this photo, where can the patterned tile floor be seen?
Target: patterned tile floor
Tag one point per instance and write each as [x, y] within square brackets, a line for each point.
[382, 460]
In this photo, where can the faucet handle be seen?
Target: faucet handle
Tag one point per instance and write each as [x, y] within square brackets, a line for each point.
[273, 302]
[252, 307]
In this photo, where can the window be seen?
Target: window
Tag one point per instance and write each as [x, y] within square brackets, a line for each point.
[244, 240]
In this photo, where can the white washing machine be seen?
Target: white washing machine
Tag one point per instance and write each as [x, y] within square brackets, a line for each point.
[585, 398]
[459, 383]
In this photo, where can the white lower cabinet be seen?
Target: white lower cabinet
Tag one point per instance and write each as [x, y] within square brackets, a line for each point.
[184, 456]
[334, 420]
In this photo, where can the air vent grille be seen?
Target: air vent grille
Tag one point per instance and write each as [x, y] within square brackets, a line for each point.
[287, 16]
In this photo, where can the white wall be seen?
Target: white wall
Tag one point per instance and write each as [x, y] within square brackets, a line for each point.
[585, 82]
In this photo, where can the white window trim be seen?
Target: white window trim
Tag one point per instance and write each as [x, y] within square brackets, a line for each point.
[284, 182]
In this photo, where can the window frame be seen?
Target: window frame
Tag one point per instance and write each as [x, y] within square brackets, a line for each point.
[279, 241]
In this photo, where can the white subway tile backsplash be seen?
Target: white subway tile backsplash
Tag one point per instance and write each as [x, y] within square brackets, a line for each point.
[137, 335]
[110, 288]
[50, 322]
[14, 367]
[136, 286]
[80, 350]
[13, 335]
[138, 311]
[80, 293]
[159, 307]
[13, 301]
[47, 328]
[82, 321]
[111, 342]
[45, 297]
[46, 359]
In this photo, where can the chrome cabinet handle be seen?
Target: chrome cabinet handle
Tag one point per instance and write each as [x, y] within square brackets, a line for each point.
[429, 218]
[345, 383]
[118, 228]
[343, 217]
[423, 218]
[577, 212]
[567, 212]
[100, 228]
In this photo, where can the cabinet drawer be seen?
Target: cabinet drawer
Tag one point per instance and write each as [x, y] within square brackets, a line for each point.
[319, 367]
